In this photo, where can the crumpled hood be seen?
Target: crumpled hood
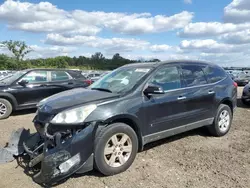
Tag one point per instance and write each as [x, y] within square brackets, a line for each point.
[72, 98]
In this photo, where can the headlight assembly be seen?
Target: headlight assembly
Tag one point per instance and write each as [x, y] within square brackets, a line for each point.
[73, 116]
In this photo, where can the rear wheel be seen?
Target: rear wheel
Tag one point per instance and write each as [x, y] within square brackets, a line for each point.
[115, 149]
[222, 121]
[5, 108]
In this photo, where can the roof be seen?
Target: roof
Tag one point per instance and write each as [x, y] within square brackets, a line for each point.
[156, 64]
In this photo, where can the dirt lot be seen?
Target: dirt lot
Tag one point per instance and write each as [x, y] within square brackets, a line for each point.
[192, 159]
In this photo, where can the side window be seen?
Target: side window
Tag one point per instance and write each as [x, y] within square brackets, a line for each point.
[214, 74]
[167, 77]
[59, 76]
[193, 75]
[36, 77]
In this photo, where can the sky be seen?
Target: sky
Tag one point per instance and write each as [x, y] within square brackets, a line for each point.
[214, 30]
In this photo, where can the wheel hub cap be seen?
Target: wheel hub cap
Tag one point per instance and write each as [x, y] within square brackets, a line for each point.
[224, 121]
[3, 109]
[118, 150]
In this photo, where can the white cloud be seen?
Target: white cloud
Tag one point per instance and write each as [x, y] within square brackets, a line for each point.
[16, 11]
[109, 44]
[160, 48]
[134, 23]
[238, 11]
[241, 37]
[206, 29]
[45, 17]
[188, 1]
[209, 46]
[49, 51]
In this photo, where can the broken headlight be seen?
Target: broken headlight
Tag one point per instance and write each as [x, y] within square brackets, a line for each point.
[73, 116]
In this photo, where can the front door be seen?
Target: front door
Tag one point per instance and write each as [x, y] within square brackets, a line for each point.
[165, 111]
[34, 91]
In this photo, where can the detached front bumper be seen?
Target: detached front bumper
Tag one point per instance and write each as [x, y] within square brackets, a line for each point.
[60, 158]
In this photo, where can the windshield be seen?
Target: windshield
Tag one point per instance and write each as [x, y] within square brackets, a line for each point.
[120, 80]
[11, 78]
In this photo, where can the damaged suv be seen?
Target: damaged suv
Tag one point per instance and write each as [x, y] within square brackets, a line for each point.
[105, 125]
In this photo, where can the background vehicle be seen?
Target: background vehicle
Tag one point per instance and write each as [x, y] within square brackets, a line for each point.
[120, 113]
[24, 89]
[246, 95]
[242, 79]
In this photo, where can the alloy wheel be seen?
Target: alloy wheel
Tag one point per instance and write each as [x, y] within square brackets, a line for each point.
[118, 150]
[224, 121]
[3, 109]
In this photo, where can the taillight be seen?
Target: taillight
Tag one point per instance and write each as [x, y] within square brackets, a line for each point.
[235, 84]
[89, 82]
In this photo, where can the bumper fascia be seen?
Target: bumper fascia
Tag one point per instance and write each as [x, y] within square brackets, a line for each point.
[81, 143]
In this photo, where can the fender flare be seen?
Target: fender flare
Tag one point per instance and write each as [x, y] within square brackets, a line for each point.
[132, 121]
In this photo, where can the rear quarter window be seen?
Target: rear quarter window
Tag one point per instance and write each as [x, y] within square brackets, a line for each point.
[214, 74]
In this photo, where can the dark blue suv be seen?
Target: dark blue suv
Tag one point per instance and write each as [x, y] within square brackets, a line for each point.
[105, 125]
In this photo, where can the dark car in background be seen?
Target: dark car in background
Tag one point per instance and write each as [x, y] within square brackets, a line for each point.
[242, 79]
[246, 95]
[24, 89]
[105, 125]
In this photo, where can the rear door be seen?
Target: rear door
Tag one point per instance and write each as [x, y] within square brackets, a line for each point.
[200, 95]
[60, 81]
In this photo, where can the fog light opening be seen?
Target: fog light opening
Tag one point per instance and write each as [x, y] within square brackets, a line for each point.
[67, 165]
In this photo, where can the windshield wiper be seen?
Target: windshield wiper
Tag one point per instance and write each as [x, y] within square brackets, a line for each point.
[101, 89]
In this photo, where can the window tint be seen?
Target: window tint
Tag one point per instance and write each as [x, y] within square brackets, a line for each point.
[36, 77]
[214, 74]
[168, 78]
[193, 75]
[59, 76]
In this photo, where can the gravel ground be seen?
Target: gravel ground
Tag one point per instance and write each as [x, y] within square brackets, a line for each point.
[191, 159]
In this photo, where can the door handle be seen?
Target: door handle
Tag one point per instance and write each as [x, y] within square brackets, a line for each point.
[211, 92]
[181, 98]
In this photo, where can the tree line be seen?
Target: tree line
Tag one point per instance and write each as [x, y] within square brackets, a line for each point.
[96, 62]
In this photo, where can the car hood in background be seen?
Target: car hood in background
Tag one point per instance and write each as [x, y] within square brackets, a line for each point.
[72, 98]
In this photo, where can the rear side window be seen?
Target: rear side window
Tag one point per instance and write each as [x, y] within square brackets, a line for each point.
[167, 77]
[193, 75]
[214, 74]
[59, 76]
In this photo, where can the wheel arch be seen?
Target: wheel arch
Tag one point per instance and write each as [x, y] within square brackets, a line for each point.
[10, 98]
[227, 101]
[131, 121]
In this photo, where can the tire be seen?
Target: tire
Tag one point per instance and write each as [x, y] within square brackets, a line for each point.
[245, 102]
[103, 142]
[5, 108]
[220, 129]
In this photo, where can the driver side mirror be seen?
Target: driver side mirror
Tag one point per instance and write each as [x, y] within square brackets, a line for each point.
[23, 83]
[153, 89]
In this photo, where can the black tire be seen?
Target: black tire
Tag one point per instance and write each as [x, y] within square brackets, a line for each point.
[214, 129]
[101, 141]
[245, 102]
[8, 108]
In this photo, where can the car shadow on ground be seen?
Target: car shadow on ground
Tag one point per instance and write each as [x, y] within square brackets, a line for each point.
[23, 112]
[23, 161]
[241, 105]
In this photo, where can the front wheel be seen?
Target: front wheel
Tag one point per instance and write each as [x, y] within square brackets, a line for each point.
[115, 149]
[222, 122]
[5, 108]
